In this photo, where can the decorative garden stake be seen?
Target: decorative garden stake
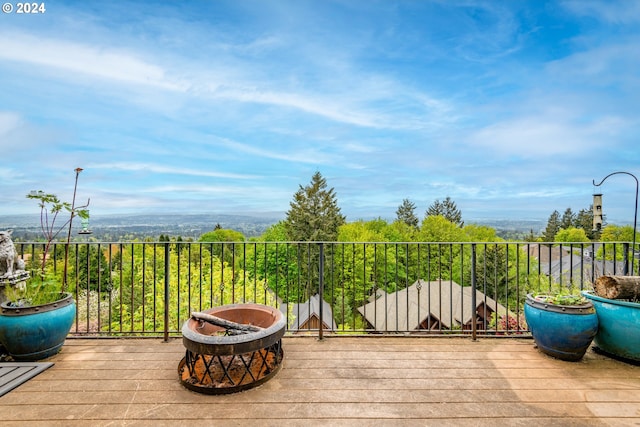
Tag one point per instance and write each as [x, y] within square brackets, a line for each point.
[635, 214]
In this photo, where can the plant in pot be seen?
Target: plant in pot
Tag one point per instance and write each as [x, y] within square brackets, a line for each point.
[617, 302]
[36, 318]
[562, 322]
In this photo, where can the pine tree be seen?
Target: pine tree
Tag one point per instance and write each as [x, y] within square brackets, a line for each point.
[448, 209]
[568, 219]
[553, 226]
[314, 214]
[531, 237]
[584, 220]
[406, 213]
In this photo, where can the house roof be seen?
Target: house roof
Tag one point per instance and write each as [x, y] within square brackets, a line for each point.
[303, 312]
[573, 262]
[445, 300]
[545, 252]
[579, 269]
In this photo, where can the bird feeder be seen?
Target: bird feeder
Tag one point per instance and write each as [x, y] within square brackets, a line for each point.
[597, 212]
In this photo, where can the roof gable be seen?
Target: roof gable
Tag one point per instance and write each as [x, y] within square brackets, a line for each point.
[444, 300]
[311, 308]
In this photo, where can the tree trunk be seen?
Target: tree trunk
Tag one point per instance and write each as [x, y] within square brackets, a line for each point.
[227, 324]
[618, 287]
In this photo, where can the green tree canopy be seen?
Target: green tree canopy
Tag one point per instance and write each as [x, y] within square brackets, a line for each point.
[274, 233]
[571, 234]
[222, 235]
[584, 220]
[406, 213]
[448, 209]
[314, 214]
[553, 226]
[616, 233]
[439, 229]
[223, 244]
[568, 219]
[480, 233]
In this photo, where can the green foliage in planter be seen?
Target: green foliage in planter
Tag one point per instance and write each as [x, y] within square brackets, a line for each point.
[562, 299]
[38, 291]
[552, 292]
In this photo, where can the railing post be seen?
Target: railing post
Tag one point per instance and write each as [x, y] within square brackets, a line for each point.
[474, 306]
[626, 259]
[167, 272]
[321, 288]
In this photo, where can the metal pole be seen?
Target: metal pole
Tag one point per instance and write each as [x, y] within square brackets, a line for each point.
[321, 289]
[167, 273]
[635, 214]
[474, 306]
[66, 248]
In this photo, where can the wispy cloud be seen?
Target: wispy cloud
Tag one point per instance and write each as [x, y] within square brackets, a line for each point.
[8, 123]
[232, 105]
[166, 170]
[99, 62]
[544, 136]
[614, 12]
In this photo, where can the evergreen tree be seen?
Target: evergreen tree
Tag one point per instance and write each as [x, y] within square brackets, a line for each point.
[406, 213]
[314, 214]
[448, 209]
[568, 219]
[584, 220]
[92, 269]
[553, 226]
[531, 237]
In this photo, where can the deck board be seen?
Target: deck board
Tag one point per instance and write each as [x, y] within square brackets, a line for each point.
[339, 381]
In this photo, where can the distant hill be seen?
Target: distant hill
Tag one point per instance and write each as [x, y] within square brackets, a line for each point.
[129, 227]
[513, 229]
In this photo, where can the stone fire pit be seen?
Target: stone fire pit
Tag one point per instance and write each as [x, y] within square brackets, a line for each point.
[231, 348]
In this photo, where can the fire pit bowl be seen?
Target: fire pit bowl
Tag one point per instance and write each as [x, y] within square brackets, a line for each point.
[243, 349]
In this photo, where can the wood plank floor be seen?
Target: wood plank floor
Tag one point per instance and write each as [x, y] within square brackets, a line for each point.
[340, 381]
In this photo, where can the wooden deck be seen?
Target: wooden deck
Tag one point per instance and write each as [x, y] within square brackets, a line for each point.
[340, 381]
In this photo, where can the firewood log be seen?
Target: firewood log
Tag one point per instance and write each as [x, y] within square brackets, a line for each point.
[618, 287]
[227, 324]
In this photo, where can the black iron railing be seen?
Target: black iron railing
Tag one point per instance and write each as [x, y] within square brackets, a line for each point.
[150, 288]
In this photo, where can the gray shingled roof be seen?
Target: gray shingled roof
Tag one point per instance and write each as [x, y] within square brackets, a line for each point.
[405, 309]
[308, 309]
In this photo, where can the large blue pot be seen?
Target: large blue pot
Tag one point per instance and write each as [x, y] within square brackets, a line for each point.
[562, 331]
[36, 332]
[619, 332]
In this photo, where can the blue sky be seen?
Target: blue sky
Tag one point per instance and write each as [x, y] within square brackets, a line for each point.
[511, 108]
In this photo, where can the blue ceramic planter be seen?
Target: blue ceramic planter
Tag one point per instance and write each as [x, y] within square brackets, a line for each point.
[619, 331]
[562, 331]
[38, 332]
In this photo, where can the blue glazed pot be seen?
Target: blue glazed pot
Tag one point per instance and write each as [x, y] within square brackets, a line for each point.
[619, 331]
[562, 331]
[37, 332]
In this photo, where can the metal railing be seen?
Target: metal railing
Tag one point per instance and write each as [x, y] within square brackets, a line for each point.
[150, 288]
